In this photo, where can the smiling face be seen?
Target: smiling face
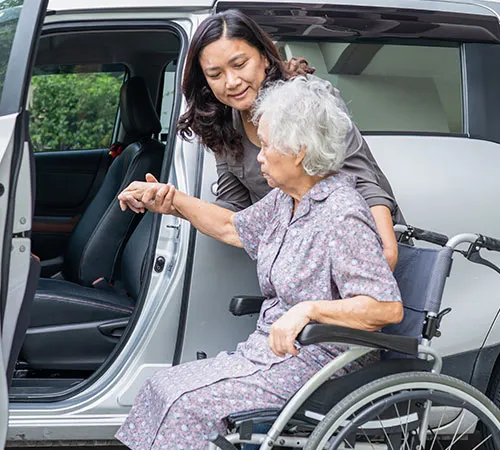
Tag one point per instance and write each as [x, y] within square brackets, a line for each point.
[234, 71]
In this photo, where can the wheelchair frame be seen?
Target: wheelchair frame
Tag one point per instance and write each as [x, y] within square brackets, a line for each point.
[240, 306]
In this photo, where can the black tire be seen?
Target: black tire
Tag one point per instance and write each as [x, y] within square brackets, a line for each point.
[494, 394]
[384, 390]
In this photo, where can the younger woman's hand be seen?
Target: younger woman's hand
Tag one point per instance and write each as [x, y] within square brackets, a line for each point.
[286, 329]
[158, 197]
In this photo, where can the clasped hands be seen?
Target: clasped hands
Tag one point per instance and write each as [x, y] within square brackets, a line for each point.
[150, 195]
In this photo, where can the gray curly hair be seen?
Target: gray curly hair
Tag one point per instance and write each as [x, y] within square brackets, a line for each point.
[304, 113]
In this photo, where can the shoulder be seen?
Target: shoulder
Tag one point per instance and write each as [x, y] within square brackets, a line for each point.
[345, 205]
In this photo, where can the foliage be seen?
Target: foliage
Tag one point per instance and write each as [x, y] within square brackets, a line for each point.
[74, 111]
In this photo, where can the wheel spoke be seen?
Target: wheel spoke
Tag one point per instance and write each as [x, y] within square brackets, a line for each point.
[481, 443]
[405, 441]
[439, 426]
[368, 439]
[455, 439]
[385, 432]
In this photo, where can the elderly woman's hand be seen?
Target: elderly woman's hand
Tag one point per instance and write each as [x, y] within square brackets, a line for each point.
[150, 195]
[285, 330]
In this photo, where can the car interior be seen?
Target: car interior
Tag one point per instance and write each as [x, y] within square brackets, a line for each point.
[92, 255]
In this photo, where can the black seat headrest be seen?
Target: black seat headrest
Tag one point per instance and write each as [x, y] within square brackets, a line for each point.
[138, 114]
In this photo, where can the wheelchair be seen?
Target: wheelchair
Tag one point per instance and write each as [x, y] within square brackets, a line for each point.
[401, 402]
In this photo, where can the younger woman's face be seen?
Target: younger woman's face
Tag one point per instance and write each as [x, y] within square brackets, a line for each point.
[234, 70]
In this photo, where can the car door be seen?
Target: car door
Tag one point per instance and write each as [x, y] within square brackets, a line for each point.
[20, 24]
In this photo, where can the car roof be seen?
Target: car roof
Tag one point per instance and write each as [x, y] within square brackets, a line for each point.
[464, 6]
[92, 5]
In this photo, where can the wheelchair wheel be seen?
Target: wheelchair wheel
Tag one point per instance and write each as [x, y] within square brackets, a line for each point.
[389, 413]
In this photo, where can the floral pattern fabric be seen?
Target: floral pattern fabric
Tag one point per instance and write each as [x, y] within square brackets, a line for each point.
[328, 249]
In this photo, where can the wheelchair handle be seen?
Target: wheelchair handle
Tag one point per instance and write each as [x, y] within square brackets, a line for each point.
[411, 232]
[479, 240]
[489, 243]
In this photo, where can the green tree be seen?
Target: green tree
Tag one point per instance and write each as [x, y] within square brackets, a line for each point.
[74, 111]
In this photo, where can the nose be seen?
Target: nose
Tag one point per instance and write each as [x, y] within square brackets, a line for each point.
[260, 157]
[232, 79]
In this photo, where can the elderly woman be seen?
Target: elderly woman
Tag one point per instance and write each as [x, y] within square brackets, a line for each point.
[319, 258]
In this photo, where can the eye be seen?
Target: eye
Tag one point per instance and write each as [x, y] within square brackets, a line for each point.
[239, 65]
[213, 76]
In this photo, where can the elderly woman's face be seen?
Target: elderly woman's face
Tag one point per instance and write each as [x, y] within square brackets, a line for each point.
[234, 71]
[278, 169]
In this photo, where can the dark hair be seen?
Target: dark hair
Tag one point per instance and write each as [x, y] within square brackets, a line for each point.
[206, 116]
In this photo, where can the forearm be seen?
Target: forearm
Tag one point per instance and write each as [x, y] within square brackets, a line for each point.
[207, 218]
[360, 312]
[383, 221]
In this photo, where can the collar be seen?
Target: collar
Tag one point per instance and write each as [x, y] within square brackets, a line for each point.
[322, 189]
[318, 193]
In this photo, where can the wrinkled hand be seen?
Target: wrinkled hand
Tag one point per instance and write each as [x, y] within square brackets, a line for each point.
[286, 329]
[150, 195]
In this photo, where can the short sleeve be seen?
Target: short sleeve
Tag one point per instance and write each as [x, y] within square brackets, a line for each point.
[358, 263]
[252, 222]
[231, 193]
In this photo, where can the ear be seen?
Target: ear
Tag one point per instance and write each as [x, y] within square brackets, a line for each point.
[266, 61]
[300, 157]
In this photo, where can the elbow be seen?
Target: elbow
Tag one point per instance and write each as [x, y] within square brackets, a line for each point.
[396, 315]
[391, 313]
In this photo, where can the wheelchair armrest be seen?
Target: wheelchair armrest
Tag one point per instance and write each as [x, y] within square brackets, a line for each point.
[242, 305]
[318, 333]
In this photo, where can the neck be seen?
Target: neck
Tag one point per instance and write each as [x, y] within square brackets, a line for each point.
[249, 127]
[301, 187]
[246, 116]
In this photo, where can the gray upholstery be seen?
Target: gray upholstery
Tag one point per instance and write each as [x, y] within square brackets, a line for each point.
[421, 275]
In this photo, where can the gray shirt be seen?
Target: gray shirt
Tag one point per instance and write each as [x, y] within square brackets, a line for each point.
[240, 183]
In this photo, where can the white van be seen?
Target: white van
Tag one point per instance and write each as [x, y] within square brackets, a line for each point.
[117, 300]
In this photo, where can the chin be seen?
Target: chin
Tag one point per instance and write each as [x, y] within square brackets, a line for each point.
[243, 106]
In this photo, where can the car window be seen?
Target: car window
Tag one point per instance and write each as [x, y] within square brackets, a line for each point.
[390, 87]
[167, 99]
[74, 107]
[9, 17]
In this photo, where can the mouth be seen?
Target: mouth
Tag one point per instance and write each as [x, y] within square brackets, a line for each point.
[240, 95]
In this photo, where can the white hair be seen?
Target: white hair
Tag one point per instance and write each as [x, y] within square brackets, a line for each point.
[304, 113]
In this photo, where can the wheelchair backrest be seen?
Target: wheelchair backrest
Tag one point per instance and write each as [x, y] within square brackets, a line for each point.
[421, 275]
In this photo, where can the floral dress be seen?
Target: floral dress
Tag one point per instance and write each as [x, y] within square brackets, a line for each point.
[328, 249]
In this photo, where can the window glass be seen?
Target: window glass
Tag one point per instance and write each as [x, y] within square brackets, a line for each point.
[167, 99]
[74, 107]
[9, 17]
[390, 87]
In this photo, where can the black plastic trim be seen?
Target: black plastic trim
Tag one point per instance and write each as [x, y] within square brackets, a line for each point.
[487, 365]
[183, 38]
[482, 71]
[339, 21]
[322, 333]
